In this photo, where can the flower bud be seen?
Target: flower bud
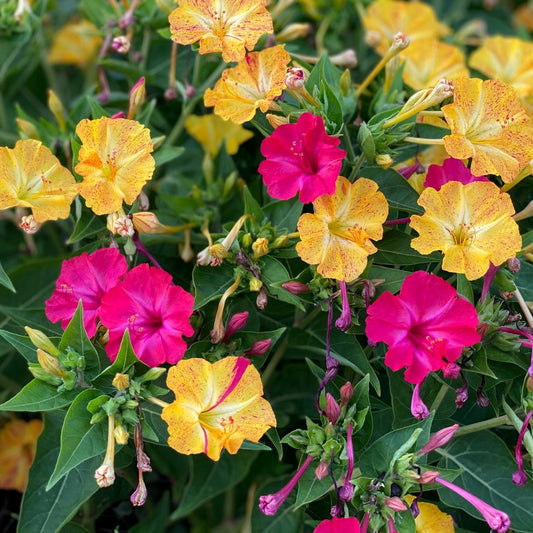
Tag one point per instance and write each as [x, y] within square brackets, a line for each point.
[27, 129]
[262, 299]
[40, 340]
[260, 247]
[57, 109]
[105, 474]
[346, 393]
[296, 287]
[123, 226]
[147, 222]
[451, 370]
[29, 225]
[121, 44]
[321, 471]
[259, 347]
[121, 381]
[513, 264]
[384, 160]
[427, 477]
[49, 364]
[276, 120]
[295, 79]
[395, 504]
[255, 284]
[120, 434]
[347, 59]
[137, 98]
[440, 438]
[293, 31]
[235, 323]
[333, 410]
[280, 242]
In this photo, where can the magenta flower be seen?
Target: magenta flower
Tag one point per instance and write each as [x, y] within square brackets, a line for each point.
[426, 326]
[418, 408]
[338, 525]
[450, 170]
[86, 277]
[155, 311]
[301, 157]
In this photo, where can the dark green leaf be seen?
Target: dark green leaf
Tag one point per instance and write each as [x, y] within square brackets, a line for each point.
[211, 282]
[88, 224]
[5, 281]
[22, 344]
[167, 153]
[395, 249]
[39, 396]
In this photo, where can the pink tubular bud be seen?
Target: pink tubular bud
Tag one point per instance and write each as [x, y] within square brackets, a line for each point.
[296, 287]
[262, 299]
[418, 408]
[138, 498]
[259, 347]
[394, 503]
[121, 44]
[333, 410]
[427, 477]
[440, 438]
[120, 114]
[346, 393]
[451, 370]
[235, 323]
[321, 471]
[513, 264]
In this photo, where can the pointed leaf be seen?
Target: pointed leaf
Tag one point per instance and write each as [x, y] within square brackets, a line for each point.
[39, 396]
[5, 281]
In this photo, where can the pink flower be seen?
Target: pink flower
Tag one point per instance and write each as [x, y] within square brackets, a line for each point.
[301, 157]
[155, 311]
[450, 170]
[86, 277]
[338, 525]
[426, 326]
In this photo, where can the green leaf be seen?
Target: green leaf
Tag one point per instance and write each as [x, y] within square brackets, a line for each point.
[5, 281]
[251, 207]
[210, 283]
[155, 521]
[167, 153]
[273, 272]
[75, 337]
[395, 187]
[152, 418]
[284, 214]
[38, 396]
[209, 478]
[395, 249]
[310, 488]
[376, 459]
[88, 224]
[486, 469]
[22, 344]
[47, 511]
[464, 287]
[392, 276]
[79, 439]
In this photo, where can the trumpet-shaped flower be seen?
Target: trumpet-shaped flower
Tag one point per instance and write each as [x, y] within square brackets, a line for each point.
[301, 157]
[425, 326]
[18, 440]
[450, 170]
[430, 518]
[227, 26]
[471, 224]
[385, 18]
[155, 312]
[217, 406]
[338, 525]
[86, 278]
[211, 132]
[252, 84]
[489, 124]
[508, 59]
[427, 61]
[115, 161]
[31, 176]
[337, 237]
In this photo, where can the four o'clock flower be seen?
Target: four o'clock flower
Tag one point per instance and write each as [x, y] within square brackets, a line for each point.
[301, 158]
[217, 406]
[155, 312]
[338, 525]
[86, 277]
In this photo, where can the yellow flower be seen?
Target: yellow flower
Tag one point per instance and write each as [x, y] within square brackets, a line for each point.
[31, 176]
[427, 61]
[337, 236]
[76, 43]
[488, 124]
[18, 440]
[431, 519]
[211, 131]
[385, 18]
[508, 59]
[115, 161]
[217, 405]
[471, 224]
[227, 26]
[252, 84]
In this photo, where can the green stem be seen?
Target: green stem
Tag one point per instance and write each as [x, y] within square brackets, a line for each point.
[357, 166]
[439, 397]
[145, 48]
[276, 358]
[486, 424]
[349, 145]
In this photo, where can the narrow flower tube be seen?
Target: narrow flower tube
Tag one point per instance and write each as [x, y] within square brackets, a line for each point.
[440, 438]
[270, 503]
[138, 498]
[235, 323]
[217, 333]
[344, 321]
[105, 473]
[497, 520]
[519, 477]
[333, 411]
[347, 490]
[418, 408]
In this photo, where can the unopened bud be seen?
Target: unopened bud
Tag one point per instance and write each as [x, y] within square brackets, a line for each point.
[235, 323]
[123, 226]
[49, 364]
[259, 347]
[29, 225]
[400, 41]
[262, 299]
[345, 82]
[451, 370]
[121, 381]
[137, 97]
[255, 284]
[57, 109]
[440, 438]
[276, 120]
[293, 31]
[121, 44]
[296, 287]
[280, 242]
[120, 434]
[153, 374]
[483, 328]
[147, 222]
[105, 474]
[40, 340]
[346, 393]
[321, 471]
[260, 247]
[143, 203]
[513, 264]
[190, 91]
[395, 504]
[27, 129]
[333, 410]
[372, 38]
[427, 477]
[384, 160]
[170, 94]
[347, 59]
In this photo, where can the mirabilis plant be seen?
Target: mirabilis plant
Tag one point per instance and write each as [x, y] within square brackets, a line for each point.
[260, 280]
